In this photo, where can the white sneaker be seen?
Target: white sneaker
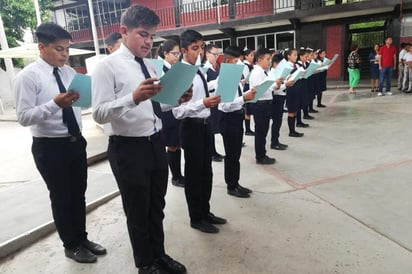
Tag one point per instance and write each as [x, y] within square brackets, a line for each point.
[389, 93]
[379, 93]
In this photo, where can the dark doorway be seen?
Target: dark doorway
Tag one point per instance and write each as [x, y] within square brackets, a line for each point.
[365, 35]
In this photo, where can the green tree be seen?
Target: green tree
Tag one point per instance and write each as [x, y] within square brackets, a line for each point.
[19, 15]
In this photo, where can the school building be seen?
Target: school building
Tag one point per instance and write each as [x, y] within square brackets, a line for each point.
[276, 24]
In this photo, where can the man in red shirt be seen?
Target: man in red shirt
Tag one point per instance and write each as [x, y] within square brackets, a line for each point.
[387, 63]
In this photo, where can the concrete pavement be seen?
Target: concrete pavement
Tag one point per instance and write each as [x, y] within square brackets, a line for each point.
[337, 201]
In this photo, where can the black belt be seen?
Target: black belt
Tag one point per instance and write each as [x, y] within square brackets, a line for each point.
[152, 137]
[264, 102]
[61, 140]
[239, 112]
[201, 121]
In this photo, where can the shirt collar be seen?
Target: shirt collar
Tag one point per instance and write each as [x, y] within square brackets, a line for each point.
[46, 65]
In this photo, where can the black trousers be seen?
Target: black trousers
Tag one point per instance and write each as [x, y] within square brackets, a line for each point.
[278, 102]
[140, 167]
[196, 143]
[262, 115]
[232, 133]
[63, 165]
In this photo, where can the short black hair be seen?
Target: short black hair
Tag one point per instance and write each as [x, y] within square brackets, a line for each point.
[260, 53]
[139, 16]
[47, 33]
[188, 37]
[233, 51]
[277, 58]
[167, 46]
[113, 38]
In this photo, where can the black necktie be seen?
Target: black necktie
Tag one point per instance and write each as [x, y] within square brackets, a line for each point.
[266, 73]
[239, 91]
[204, 83]
[68, 115]
[156, 105]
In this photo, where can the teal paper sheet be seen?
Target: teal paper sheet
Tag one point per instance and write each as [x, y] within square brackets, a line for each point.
[228, 82]
[175, 82]
[83, 84]
[261, 89]
[311, 69]
[158, 65]
[281, 71]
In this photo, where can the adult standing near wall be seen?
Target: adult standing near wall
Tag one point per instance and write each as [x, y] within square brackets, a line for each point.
[387, 63]
[374, 67]
[353, 68]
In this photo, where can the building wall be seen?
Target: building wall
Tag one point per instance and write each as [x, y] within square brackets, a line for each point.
[334, 44]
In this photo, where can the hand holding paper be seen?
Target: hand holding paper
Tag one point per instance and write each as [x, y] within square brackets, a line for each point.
[83, 84]
[175, 82]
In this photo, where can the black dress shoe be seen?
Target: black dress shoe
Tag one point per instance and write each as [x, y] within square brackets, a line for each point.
[170, 265]
[266, 161]
[217, 157]
[204, 226]
[313, 111]
[249, 133]
[151, 269]
[295, 134]
[94, 248]
[237, 192]
[321, 106]
[278, 147]
[308, 117]
[215, 220]
[80, 255]
[283, 145]
[179, 182]
[244, 189]
[302, 125]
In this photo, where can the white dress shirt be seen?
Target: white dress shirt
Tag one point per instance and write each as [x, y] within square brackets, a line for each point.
[35, 88]
[194, 108]
[257, 77]
[113, 81]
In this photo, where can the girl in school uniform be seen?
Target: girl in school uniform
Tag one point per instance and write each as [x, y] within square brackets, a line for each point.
[304, 90]
[292, 94]
[322, 78]
[170, 53]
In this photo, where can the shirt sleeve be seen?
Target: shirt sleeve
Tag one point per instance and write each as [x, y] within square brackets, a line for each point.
[28, 113]
[106, 107]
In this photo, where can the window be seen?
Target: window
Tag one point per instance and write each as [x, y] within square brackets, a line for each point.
[108, 12]
[77, 17]
[276, 41]
[406, 27]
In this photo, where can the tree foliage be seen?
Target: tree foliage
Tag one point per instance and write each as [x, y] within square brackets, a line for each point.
[18, 15]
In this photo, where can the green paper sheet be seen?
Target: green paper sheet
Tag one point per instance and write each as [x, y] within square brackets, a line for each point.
[261, 89]
[83, 84]
[228, 82]
[175, 82]
[158, 65]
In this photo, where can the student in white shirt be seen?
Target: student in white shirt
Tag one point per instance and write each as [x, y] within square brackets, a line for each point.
[59, 148]
[231, 128]
[122, 85]
[196, 136]
[263, 108]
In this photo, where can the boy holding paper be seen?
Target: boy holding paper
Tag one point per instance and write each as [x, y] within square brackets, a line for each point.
[263, 107]
[231, 128]
[196, 137]
[59, 149]
[122, 102]
[279, 96]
